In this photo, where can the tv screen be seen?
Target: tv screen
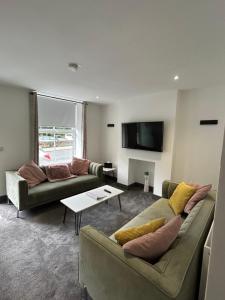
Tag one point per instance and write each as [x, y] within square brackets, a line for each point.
[143, 135]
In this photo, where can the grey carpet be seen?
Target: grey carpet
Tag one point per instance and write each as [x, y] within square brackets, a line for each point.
[39, 255]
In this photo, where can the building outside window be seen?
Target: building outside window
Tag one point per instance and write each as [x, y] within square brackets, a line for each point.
[56, 144]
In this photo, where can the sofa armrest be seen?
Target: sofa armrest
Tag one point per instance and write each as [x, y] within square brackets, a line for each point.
[16, 189]
[96, 169]
[109, 273]
[168, 188]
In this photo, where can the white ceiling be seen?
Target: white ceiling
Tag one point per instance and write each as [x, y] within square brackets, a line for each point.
[126, 47]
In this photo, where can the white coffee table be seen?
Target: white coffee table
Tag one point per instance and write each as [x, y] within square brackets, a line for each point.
[82, 202]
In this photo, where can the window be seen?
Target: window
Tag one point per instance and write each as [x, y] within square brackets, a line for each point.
[56, 144]
[61, 130]
[56, 131]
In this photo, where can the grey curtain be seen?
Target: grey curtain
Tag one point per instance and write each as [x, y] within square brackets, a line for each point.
[34, 127]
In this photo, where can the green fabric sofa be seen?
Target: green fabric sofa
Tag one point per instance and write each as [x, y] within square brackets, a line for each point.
[24, 198]
[110, 274]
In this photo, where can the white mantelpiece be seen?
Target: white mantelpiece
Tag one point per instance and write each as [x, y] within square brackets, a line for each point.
[137, 168]
[161, 167]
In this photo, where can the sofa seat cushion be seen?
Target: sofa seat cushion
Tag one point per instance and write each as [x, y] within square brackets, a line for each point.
[158, 209]
[52, 191]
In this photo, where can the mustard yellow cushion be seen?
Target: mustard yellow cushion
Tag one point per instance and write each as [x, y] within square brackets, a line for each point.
[125, 235]
[180, 197]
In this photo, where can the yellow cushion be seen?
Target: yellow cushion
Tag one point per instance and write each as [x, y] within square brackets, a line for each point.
[125, 235]
[180, 197]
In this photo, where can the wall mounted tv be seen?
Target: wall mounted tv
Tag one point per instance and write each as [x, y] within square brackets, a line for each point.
[143, 135]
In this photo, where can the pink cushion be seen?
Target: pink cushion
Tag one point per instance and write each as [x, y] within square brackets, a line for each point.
[58, 172]
[32, 174]
[199, 195]
[79, 166]
[152, 245]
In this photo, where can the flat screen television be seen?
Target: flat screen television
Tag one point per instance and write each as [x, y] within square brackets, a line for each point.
[143, 135]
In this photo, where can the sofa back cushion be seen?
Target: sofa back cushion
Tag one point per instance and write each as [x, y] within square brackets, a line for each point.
[168, 187]
[32, 173]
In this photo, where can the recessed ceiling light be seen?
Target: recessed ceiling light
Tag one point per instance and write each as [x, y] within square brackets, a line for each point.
[97, 97]
[73, 66]
[176, 77]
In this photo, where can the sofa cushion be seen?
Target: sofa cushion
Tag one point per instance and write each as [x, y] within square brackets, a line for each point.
[52, 191]
[58, 172]
[152, 245]
[158, 209]
[200, 194]
[125, 235]
[180, 197]
[32, 174]
[79, 166]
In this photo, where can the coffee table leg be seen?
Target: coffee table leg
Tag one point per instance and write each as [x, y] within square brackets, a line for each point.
[64, 217]
[77, 222]
[80, 220]
[119, 202]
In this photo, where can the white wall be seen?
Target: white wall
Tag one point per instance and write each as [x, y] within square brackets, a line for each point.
[14, 130]
[154, 107]
[94, 124]
[198, 148]
[110, 142]
[215, 288]
[196, 156]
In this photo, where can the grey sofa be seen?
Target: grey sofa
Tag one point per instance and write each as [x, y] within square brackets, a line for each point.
[108, 273]
[24, 198]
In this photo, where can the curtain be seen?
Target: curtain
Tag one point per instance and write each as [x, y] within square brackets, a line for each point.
[84, 130]
[81, 131]
[34, 127]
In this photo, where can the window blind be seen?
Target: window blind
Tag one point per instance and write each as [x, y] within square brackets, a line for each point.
[53, 112]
